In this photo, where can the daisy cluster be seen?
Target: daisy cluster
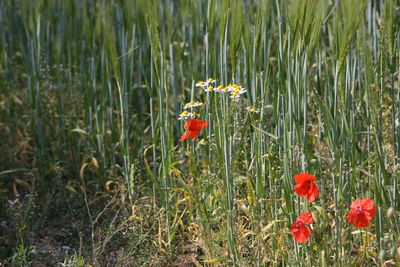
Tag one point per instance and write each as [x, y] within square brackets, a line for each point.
[185, 115]
[192, 126]
[234, 90]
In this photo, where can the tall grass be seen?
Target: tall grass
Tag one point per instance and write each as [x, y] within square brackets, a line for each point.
[97, 87]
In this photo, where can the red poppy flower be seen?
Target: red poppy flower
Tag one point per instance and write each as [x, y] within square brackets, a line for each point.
[305, 217]
[192, 128]
[305, 186]
[300, 231]
[362, 211]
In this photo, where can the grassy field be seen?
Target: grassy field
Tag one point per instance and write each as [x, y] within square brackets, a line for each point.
[93, 171]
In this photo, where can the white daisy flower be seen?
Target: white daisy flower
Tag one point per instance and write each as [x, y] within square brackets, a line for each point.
[234, 97]
[236, 88]
[253, 109]
[205, 84]
[209, 89]
[211, 81]
[240, 91]
[192, 104]
[202, 142]
[202, 84]
[187, 115]
[218, 89]
[231, 87]
[223, 90]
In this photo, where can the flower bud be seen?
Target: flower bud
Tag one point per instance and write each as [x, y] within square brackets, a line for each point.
[390, 212]
[382, 255]
[393, 251]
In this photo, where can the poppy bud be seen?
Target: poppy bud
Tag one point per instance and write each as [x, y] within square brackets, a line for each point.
[390, 212]
[393, 251]
[382, 255]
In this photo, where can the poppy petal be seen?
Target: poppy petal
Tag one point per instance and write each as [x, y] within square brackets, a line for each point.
[193, 134]
[192, 128]
[357, 203]
[358, 219]
[188, 123]
[312, 193]
[184, 136]
[305, 217]
[368, 206]
[300, 232]
[362, 211]
[195, 125]
[303, 178]
[301, 189]
[189, 134]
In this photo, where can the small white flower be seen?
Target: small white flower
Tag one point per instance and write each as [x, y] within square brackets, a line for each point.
[234, 88]
[218, 89]
[234, 97]
[209, 89]
[211, 81]
[231, 87]
[253, 109]
[192, 104]
[187, 115]
[201, 84]
[202, 142]
[240, 91]
[205, 84]
[223, 90]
